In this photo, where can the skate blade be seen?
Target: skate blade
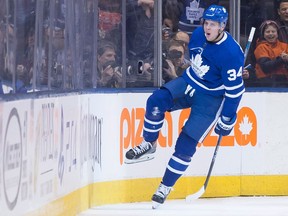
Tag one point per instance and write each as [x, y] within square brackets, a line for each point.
[138, 160]
[155, 205]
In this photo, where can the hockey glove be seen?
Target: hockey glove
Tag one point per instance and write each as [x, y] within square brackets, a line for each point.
[225, 125]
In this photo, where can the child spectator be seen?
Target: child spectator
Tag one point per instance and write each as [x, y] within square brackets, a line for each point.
[271, 57]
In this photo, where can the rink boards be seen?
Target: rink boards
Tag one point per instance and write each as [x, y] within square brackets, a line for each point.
[64, 154]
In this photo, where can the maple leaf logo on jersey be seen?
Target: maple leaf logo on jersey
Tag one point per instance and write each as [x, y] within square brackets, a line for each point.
[199, 69]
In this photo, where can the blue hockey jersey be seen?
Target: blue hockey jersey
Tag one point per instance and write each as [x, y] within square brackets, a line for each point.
[216, 69]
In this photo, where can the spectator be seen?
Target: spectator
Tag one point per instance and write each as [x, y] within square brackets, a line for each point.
[57, 35]
[52, 65]
[108, 75]
[271, 57]
[183, 38]
[28, 59]
[141, 38]
[189, 13]
[282, 20]
[109, 22]
[171, 12]
[173, 63]
[246, 73]
[253, 13]
[191, 16]
[140, 42]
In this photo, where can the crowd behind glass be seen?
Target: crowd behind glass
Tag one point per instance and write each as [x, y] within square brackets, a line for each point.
[50, 45]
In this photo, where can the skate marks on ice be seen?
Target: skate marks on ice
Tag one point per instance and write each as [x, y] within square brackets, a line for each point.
[231, 206]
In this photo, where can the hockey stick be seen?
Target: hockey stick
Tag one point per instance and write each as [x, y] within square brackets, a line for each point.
[245, 72]
[250, 38]
[199, 193]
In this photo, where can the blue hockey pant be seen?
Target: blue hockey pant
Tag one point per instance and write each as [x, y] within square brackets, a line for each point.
[205, 110]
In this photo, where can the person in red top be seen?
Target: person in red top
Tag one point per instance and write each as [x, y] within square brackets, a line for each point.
[271, 57]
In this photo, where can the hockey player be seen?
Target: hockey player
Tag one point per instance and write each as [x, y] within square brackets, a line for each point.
[212, 86]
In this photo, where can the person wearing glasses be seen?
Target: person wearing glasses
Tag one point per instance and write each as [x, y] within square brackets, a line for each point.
[212, 86]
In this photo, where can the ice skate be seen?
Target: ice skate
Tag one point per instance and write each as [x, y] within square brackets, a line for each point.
[143, 152]
[160, 195]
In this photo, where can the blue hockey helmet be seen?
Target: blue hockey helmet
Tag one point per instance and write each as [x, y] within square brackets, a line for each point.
[216, 13]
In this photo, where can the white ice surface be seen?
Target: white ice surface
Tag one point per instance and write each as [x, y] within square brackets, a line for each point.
[231, 206]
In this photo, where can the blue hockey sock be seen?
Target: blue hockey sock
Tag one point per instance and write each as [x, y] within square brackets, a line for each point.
[184, 150]
[176, 167]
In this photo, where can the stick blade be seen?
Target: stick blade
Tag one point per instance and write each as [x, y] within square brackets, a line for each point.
[196, 195]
